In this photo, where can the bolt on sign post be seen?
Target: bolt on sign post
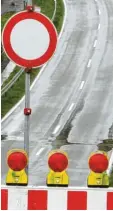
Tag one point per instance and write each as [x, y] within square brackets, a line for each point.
[57, 176]
[17, 160]
[98, 164]
[29, 39]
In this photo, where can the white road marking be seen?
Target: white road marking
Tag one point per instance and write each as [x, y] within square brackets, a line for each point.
[82, 84]
[39, 152]
[99, 12]
[13, 138]
[89, 63]
[56, 129]
[98, 26]
[95, 43]
[96, 0]
[71, 107]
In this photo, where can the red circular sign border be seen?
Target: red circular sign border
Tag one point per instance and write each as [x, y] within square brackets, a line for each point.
[7, 45]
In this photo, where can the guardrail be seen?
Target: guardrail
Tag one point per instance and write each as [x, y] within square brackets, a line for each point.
[11, 83]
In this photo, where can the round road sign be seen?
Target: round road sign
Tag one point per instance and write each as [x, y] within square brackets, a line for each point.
[29, 39]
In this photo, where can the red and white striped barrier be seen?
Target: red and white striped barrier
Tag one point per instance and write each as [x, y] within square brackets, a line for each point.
[26, 198]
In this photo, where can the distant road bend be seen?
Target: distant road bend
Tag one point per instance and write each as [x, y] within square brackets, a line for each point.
[79, 78]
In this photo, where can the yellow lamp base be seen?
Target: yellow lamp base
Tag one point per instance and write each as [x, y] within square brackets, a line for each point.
[99, 180]
[16, 178]
[57, 179]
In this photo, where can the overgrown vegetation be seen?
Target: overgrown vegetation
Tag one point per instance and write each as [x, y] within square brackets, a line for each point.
[47, 6]
[111, 179]
[15, 93]
[106, 146]
[58, 20]
[5, 17]
[15, 71]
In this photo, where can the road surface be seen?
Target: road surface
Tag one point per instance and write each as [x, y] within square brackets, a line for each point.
[78, 79]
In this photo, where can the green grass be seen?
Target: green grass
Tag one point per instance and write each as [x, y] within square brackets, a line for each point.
[16, 92]
[47, 6]
[16, 69]
[107, 146]
[3, 57]
[5, 17]
[13, 95]
[111, 179]
[58, 20]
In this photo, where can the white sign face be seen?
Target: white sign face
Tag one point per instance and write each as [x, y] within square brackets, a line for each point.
[29, 39]
[33, 41]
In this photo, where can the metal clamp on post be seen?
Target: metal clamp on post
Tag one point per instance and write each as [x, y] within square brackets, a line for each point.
[30, 8]
[27, 111]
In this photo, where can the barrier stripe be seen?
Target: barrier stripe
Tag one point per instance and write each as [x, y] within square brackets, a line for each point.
[57, 200]
[4, 199]
[37, 200]
[17, 199]
[94, 202]
[77, 200]
[109, 201]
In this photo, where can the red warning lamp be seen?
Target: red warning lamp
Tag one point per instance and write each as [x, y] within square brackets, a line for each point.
[58, 162]
[98, 162]
[17, 161]
[27, 111]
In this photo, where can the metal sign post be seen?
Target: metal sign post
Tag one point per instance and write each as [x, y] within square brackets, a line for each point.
[27, 112]
[27, 106]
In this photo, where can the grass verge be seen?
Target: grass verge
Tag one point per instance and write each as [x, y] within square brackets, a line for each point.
[16, 92]
[15, 71]
[58, 20]
[111, 179]
[107, 145]
[13, 95]
[4, 19]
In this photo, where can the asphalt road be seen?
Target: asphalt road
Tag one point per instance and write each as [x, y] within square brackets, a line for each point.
[77, 80]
